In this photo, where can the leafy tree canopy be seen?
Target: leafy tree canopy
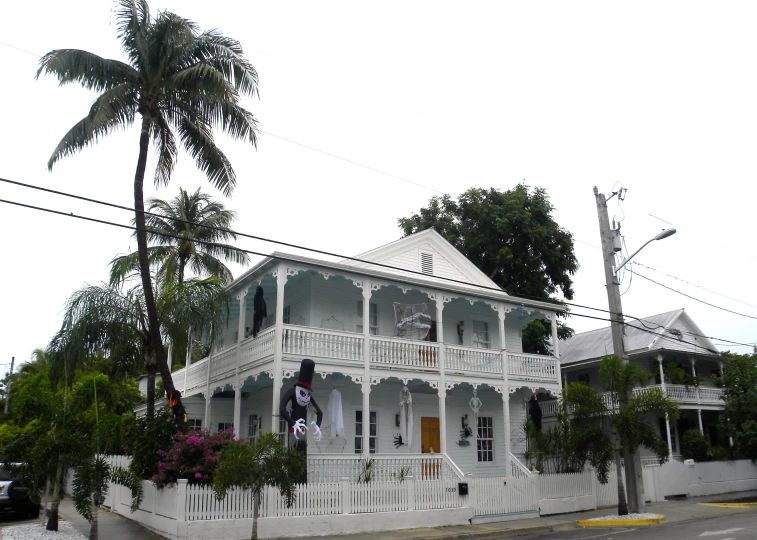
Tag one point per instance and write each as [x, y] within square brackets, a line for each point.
[740, 395]
[512, 237]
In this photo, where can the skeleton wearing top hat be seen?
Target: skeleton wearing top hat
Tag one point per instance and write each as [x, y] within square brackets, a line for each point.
[296, 400]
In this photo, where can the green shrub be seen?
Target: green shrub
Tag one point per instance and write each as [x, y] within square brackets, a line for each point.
[694, 446]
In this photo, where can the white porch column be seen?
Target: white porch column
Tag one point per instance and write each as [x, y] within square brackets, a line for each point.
[238, 411]
[699, 417]
[556, 345]
[188, 360]
[281, 280]
[242, 297]
[366, 387]
[170, 355]
[664, 391]
[502, 312]
[206, 420]
[439, 300]
[693, 362]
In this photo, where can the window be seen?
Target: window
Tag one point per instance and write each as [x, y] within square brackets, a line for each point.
[372, 315]
[195, 424]
[253, 428]
[287, 312]
[225, 426]
[485, 441]
[427, 263]
[359, 432]
[481, 335]
[283, 430]
[221, 345]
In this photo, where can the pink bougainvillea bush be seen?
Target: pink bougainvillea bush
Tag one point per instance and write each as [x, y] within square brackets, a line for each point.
[194, 457]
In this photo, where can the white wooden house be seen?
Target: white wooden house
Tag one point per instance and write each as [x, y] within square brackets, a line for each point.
[670, 338]
[342, 316]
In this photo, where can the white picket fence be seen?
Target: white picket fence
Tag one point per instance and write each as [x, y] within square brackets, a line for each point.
[499, 496]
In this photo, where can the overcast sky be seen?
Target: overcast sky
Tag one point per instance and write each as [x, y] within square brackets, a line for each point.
[658, 97]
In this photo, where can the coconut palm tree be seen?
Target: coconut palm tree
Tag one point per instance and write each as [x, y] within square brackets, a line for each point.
[112, 321]
[180, 81]
[185, 231]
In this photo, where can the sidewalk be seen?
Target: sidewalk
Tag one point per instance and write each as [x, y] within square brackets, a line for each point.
[675, 511]
[111, 526]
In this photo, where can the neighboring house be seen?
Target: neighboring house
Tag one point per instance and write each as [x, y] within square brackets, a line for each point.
[342, 315]
[671, 339]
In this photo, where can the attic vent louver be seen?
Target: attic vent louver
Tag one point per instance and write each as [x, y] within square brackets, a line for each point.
[427, 263]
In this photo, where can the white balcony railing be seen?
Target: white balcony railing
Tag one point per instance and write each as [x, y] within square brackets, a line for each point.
[472, 360]
[304, 341]
[532, 366]
[253, 350]
[404, 353]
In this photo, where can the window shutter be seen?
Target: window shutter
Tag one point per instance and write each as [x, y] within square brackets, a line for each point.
[427, 263]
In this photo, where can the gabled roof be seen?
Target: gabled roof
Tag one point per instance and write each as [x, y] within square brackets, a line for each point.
[406, 253]
[671, 331]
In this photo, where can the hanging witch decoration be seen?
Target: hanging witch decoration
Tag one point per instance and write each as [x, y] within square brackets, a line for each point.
[297, 399]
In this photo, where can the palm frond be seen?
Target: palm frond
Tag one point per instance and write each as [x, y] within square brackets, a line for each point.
[165, 146]
[198, 142]
[132, 20]
[90, 70]
[113, 110]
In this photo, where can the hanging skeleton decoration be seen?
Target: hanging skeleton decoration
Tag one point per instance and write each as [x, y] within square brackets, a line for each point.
[297, 399]
[475, 405]
[260, 312]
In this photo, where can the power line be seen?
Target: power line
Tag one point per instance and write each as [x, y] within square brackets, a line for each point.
[20, 49]
[322, 252]
[282, 258]
[694, 298]
[692, 284]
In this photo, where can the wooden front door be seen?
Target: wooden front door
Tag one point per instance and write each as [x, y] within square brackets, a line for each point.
[430, 435]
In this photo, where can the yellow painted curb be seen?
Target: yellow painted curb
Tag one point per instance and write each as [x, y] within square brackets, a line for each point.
[618, 522]
[731, 505]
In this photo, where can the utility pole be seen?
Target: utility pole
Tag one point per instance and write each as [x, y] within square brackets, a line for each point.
[634, 478]
[8, 388]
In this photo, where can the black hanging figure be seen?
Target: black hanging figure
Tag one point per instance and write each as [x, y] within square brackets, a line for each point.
[297, 399]
[534, 411]
[259, 312]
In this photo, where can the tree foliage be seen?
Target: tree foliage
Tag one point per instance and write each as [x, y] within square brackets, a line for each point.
[182, 83]
[738, 419]
[512, 237]
[184, 231]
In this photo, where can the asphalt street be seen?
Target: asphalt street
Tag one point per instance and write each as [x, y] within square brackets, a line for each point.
[731, 527]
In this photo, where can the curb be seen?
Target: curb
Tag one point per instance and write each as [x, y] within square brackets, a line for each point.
[485, 535]
[730, 505]
[619, 522]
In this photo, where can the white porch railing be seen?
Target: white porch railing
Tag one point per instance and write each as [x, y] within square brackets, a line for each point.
[472, 360]
[548, 408]
[517, 469]
[532, 366]
[323, 343]
[710, 395]
[327, 468]
[404, 353]
[258, 348]
[223, 363]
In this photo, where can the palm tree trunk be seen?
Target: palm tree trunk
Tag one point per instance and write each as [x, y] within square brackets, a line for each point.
[150, 392]
[52, 522]
[255, 513]
[622, 504]
[93, 527]
[45, 502]
[144, 270]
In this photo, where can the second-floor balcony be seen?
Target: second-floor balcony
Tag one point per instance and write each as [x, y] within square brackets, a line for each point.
[687, 396]
[340, 348]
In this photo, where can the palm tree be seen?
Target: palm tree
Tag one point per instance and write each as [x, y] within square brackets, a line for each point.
[619, 423]
[187, 230]
[111, 321]
[180, 81]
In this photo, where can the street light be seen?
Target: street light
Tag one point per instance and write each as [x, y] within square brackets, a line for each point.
[659, 236]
